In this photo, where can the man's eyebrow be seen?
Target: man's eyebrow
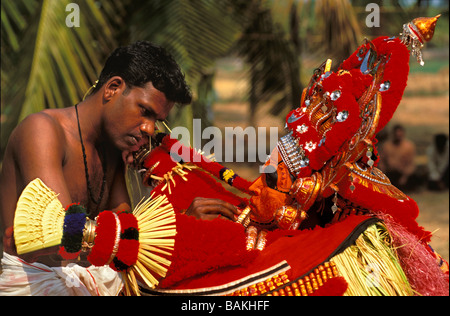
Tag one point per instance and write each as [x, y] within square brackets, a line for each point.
[164, 118]
[148, 106]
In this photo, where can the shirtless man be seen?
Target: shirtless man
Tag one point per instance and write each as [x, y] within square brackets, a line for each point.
[398, 158]
[80, 151]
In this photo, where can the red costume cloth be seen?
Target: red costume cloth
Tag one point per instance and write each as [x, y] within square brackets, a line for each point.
[297, 252]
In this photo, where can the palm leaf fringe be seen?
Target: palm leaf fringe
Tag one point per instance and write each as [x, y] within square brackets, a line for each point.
[156, 221]
[371, 266]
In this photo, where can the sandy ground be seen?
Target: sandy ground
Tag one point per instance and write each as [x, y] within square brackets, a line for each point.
[433, 216]
[425, 102]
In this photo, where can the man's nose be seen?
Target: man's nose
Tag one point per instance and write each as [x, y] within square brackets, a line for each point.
[148, 128]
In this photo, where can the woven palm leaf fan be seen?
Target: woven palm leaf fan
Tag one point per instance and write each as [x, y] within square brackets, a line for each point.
[137, 244]
[39, 218]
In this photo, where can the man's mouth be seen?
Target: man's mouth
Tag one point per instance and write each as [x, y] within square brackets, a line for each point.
[135, 143]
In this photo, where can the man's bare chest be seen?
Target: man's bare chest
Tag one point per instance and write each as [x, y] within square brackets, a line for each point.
[89, 186]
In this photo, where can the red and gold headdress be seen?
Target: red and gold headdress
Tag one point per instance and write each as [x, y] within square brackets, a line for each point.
[361, 96]
[330, 145]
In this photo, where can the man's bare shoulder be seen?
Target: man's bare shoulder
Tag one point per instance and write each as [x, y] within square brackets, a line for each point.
[39, 123]
[409, 144]
[388, 145]
[43, 119]
[38, 129]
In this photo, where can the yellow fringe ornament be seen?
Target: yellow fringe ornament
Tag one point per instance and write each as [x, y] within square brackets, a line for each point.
[156, 222]
[371, 266]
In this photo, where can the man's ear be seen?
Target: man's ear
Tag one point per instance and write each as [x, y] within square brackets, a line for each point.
[112, 87]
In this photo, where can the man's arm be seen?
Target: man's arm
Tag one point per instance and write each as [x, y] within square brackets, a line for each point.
[408, 158]
[35, 150]
[118, 198]
[39, 151]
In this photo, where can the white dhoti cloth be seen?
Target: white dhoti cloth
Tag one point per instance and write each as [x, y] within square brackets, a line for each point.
[20, 278]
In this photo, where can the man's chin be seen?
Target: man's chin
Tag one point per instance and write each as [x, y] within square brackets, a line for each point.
[127, 157]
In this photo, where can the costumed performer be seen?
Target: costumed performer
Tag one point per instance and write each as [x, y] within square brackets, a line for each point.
[320, 181]
[323, 179]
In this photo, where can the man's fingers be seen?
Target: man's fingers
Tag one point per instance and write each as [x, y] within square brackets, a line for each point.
[210, 208]
[210, 202]
[210, 217]
[213, 210]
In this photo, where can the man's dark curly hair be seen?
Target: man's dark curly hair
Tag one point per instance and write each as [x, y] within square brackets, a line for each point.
[143, 62]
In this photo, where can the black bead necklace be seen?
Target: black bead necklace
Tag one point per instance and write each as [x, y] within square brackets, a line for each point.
[86, 171]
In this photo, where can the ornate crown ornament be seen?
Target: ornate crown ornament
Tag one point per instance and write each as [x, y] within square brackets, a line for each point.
[331, 137]
[417, 32]
[331, 113]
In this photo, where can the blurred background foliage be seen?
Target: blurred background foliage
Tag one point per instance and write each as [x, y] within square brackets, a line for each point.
[46, 64]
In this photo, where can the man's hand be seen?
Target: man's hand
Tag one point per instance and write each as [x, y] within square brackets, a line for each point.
[10, 248]
[208, 209]
[8, 241]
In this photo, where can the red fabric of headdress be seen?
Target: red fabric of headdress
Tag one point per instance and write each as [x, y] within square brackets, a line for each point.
[196, 182]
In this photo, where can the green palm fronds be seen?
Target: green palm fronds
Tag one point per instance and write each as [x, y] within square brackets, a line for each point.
[46, 63]
[339, 28]
[197, 33]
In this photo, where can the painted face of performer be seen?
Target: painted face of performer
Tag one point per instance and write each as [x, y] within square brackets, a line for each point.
[132, 115]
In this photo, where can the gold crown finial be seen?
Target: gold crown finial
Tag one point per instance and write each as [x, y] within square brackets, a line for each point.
[418, 31]
[425, 27]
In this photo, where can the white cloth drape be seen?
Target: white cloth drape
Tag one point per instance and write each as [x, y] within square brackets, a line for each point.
[20, 278]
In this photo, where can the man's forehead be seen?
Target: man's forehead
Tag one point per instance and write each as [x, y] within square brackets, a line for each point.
[151, 97]
[148, 95]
